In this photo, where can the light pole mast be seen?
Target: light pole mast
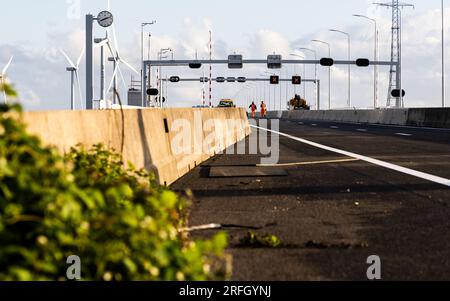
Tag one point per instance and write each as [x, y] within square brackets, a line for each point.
[443, 53]
[329, 71]
[315, 76]
[375, 70]
[142, 62]
[349, 99]
[89, 62]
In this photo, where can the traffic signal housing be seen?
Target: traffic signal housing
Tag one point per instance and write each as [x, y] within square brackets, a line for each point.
[174, 79]
[296, 80]
[152, 92]
[396, 93]
[274, 80]
[362, 62]
[326, 62]
[195, 65]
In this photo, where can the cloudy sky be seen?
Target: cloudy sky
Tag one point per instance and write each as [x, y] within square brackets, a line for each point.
[34, 31]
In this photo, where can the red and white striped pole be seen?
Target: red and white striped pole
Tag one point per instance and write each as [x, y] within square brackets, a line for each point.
[210, 69]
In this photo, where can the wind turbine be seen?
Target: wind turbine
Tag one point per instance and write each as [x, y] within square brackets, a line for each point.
[3, 78]
[117, 59]
[73, 69]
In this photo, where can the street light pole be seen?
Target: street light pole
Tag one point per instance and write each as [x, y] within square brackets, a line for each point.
[329, 71]
[375, 76]
[304, 73]
[349, 100]
[162, 52]
[142, 61]
[315, 75]
[443, 53]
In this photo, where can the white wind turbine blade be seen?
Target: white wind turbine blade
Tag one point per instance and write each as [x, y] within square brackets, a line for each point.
[7, 66]
[114, 56]
[68, 59]
[79, 89]
[80, 57]
[129, 66]
[113, 78]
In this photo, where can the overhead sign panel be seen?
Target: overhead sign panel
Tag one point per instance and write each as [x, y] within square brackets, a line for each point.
[296, 80]
[274, 61]
[235, 61]
[274, 80]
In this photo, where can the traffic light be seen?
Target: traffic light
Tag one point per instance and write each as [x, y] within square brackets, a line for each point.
[174, 79]
[274, 80]
[296, 80]
[152, 92]
[362, 62]
[396, 93]
[326, 62]
[195, 65]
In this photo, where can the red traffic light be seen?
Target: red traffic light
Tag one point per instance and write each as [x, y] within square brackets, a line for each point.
[296, 80]
[274, 80]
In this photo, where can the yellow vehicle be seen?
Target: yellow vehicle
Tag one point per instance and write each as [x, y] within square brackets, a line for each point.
[226, 103]
[297, 103]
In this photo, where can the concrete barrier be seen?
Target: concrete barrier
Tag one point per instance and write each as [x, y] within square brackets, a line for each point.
[146, 138]
[422, 117]
[431, 117]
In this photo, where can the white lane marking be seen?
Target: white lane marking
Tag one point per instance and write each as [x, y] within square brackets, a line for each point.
[334, 127]
[403, 134]
[314, 124]
[411, 172]
[401, 126]
[361, 130]
[308, 163]
[301, 123]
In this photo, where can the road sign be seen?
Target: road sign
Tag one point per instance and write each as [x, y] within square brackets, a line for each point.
[362, 62]
[221, 80]
[174, 79]
[152, 92]
[274, 61]
[235, 61]
[231, 79]
[242, 79]
[204, 79]
[296, 80]
[326, 62]
[274, 80]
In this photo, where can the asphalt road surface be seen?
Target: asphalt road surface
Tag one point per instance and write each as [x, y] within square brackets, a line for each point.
[331, 211]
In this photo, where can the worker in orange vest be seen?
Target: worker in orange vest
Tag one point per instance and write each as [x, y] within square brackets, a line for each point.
[253, 107]
[263, 110]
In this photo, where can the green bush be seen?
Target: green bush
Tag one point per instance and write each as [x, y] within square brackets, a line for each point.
[8, 89]
[120, 223]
